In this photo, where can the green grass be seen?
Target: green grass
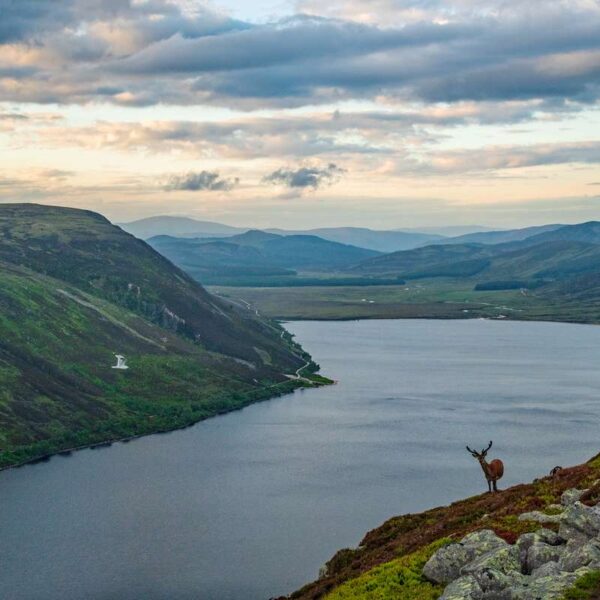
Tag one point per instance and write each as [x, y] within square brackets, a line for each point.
[433, 299]
[586, 587]
[74, 291]
[400, 579]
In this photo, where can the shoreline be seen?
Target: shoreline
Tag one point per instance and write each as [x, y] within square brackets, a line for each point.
[295, 384]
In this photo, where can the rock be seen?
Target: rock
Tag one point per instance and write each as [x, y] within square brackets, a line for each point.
[581, 556]
[446, 564]
[571, 496]
[497, 585]
[464, 588]
[579, 522]
[548, 570]
[503, 560]
[527, 540]
[540, 553]
[540, 517]
[551, 587]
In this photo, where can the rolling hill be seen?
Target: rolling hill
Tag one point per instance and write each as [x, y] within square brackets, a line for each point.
[553, 254]
[178, 227]
[381, 241]
[74, 291]
[257, 255]
[500, 237]
[184, 227]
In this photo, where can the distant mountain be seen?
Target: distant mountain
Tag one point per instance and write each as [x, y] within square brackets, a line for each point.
[382, 241]
[501, 237]
[75, 291]
[588, 233]
[449, 230]
[257, 254]
[554, 254]
[453, 260]
[178, 227]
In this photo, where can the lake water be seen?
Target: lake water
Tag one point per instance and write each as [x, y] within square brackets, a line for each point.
[249, 505]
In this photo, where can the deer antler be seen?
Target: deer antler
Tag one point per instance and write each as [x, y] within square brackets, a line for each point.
[471, 451]
[484, 451]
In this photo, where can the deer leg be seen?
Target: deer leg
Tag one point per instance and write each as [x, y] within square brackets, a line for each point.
[489, 485]
[495, 486]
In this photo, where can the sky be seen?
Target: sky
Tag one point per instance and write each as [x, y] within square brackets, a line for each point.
[387, 114]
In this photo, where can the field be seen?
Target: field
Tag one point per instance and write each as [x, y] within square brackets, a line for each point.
[423, 299]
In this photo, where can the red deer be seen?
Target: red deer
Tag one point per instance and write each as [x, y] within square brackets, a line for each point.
[492, 470]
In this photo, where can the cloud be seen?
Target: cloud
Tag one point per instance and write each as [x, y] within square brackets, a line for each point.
[442, 51]
[306, 177]
[203, 181]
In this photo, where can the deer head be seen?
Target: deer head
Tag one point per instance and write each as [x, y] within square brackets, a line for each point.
[480, 455]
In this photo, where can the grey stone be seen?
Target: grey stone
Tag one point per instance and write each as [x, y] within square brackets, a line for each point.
[551, 587]
[547, 570]
[504, 560]
[571, 496]
[540, 517]
[497, 585]
[579, 523]
[446, 564]
[540, 553]
[581, 556]
[464, 588]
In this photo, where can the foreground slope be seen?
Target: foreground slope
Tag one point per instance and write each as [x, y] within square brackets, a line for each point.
[74, 290]
[387, 565]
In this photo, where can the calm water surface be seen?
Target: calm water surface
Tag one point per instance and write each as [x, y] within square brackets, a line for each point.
[249, 505]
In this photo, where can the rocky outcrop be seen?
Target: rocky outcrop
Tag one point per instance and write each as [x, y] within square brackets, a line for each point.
[539, 566]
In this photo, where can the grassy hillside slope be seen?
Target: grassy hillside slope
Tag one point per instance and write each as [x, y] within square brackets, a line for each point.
[74, 290]
[386, 565]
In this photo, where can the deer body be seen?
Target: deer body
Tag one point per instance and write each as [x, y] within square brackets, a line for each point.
[492, 470]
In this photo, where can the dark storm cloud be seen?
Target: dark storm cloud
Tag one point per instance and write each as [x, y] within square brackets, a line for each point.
[202, 181]
[306, 177]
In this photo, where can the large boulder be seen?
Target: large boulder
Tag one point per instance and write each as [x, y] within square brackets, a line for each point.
[502, 560]
[446, 564]
[581, 556]
[579, 523]
[571, 496]
[540, 553]
[464, 588]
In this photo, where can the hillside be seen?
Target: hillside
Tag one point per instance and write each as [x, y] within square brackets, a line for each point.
[551, 255]
[381, 241]
[74, 291]
[257, 254]
[388, 563]
[500, 237]
[178, 227]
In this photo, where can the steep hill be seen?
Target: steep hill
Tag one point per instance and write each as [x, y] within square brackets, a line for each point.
[257, 254]
[74, 291]
[388, 563]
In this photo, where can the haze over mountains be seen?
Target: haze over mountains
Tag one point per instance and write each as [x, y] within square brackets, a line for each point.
[380, 240]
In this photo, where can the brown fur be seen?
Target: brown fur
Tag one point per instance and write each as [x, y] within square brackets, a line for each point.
[493, 470]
